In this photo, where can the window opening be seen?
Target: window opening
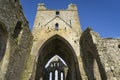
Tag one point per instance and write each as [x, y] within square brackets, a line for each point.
[70, 22]
[56, 26]
[58, 64]
[56, 74]
[54, 64]
[17, 29]
[61, 75]
[119, 46]
[50, 76]
[38, 24]
[57, 13]
[57, 71]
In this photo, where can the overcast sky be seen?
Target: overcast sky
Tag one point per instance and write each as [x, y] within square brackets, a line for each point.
[103, 16]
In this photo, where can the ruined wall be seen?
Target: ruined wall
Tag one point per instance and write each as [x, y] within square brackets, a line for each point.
[18, 44]
[109, 52]
[101, 56]
[90, 56]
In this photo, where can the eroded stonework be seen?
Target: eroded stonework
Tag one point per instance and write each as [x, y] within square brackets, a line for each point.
[83, 55]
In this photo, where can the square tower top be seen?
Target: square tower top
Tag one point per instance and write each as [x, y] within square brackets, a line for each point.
[41, 6]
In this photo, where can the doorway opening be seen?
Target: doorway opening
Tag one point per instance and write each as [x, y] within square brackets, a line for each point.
[63, 66]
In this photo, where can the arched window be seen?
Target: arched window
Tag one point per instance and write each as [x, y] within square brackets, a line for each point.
[50, 76]
[58, 64]
[61, 76]
[56, 26]
[17, 29]
[56, 74]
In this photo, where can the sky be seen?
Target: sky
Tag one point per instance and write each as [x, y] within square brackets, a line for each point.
[103, 16]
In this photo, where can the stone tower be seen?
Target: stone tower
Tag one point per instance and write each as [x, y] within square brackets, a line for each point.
[57, 32]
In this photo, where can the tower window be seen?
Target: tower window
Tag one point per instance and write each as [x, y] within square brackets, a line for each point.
[119, 46]
[70, 22]
[57, 13]
[56, 26]
[38, 24]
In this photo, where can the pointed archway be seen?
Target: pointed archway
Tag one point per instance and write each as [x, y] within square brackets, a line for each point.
[57, 45]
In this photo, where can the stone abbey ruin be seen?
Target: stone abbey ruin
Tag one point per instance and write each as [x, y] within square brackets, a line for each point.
[56, 49]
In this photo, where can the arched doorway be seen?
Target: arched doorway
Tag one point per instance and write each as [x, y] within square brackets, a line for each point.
[57, 45]
[3, 40]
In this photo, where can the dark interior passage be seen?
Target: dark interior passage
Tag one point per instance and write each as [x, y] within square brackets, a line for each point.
[57, 45]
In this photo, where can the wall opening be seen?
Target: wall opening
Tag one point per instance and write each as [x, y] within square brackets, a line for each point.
[70, 22]
[56, 26]
[56, 66]
[56, 74]
[57, 45]
[119, 46]
[50, 76]
[57, 13]
[61, 76]
[3, 41]
[17, 29]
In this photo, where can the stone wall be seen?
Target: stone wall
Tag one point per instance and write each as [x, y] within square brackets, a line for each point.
[46, 18]
[19, 40]
[109, 52]
[100, 56]
[90, 56]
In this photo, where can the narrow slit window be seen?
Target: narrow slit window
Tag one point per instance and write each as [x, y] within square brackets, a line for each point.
[50, 76]
[38, 24]
[61, 76]
[58, 64]
[70, 22]
[56, 74]
[56, 26]
[119, 46]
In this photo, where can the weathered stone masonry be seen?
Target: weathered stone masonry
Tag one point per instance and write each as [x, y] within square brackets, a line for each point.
[15, 40]
[24, 54]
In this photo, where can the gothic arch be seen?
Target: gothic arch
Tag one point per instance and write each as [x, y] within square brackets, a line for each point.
[91, 60]
[57, 45]
[3, 40]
